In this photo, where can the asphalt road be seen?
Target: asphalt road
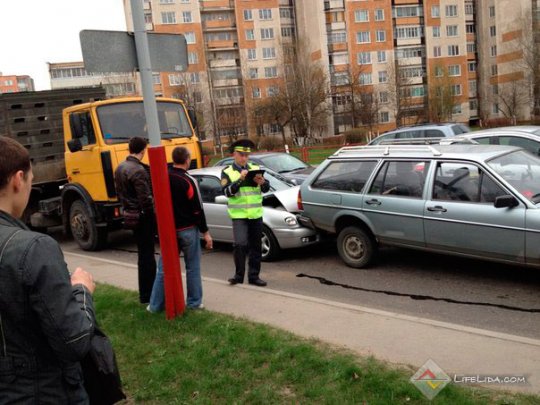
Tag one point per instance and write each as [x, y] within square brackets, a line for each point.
[463, 291]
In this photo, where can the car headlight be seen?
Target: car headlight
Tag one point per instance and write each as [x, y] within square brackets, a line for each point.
[291, 221]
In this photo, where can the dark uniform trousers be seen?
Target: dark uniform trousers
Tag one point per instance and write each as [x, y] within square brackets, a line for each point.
[145, 237]
[247, 242]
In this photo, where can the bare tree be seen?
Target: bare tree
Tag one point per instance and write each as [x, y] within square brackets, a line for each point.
[400, 98]
[512, 96]
[441, 98]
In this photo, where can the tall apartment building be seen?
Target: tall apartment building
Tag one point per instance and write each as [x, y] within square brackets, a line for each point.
[73, 74]
[14, 83]
[388, 62]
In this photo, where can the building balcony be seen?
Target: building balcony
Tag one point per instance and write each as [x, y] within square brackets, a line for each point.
[336, 26]
[226, 82]
[219, 63]
[338, 47]
[409, 61]
[219, 24]
[216, 5]
[286, 3]
[334, 5]
[222, 44]
[229, 101]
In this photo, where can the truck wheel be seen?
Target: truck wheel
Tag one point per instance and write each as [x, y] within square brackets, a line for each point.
[269, 246]
[356, 247]
[84, 230]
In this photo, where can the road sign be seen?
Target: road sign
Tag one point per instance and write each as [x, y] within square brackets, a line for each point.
[114, 51]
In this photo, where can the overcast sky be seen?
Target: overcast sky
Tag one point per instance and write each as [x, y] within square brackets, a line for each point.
[34, 32]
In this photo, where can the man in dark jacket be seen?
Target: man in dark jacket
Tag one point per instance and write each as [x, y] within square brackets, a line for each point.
[134, 189]
[190, 223]
[46, 316]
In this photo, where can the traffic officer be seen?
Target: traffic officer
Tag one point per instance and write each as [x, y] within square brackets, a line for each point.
[245, 209]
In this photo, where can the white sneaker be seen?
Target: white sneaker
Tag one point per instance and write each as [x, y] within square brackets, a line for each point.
[149, 310]
[200, 306]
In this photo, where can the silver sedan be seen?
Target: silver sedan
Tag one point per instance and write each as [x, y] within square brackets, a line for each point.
[281, 229]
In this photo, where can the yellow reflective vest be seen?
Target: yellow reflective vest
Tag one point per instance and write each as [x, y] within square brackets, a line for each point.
[247, 202]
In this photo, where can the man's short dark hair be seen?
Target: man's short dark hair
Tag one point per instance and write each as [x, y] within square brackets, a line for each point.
[137, 144]
[13, 157]
[180, 155]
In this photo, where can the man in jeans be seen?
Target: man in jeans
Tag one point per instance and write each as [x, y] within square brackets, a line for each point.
[134, 188]
[190, 222]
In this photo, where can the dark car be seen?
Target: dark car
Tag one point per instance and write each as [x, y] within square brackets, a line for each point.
[289, 166]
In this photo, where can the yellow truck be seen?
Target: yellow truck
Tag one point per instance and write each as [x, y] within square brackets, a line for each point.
[76, 139]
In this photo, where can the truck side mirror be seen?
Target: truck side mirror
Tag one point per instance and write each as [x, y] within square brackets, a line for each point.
[193, 117]
[76, 124]
[74, 145]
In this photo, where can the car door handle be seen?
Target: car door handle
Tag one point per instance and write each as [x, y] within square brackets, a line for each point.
[437, 208]
[373, 201]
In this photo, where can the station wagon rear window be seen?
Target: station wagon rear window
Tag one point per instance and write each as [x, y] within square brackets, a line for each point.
[345, 176]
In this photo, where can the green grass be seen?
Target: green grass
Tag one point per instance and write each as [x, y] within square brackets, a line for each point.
[207, 358]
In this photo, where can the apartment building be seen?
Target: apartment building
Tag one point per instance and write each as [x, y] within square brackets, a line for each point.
[14, 83]
[73, 74]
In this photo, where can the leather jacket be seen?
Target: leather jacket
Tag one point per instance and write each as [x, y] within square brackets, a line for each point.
[133, 185]
[46, 324]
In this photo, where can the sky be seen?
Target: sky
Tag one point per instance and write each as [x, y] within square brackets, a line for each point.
[34, 32]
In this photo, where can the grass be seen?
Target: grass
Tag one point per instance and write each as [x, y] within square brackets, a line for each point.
[207, 358]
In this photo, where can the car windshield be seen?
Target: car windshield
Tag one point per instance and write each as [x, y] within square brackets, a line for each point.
[283, 162]
[122, 121]
[522, 170]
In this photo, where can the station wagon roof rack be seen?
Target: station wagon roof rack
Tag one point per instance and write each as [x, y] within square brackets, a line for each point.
[447, 140]
[387, 149]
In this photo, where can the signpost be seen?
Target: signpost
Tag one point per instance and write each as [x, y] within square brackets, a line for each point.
[112, 51]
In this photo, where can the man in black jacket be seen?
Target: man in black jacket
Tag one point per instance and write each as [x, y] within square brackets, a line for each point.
[134, 189]
[46, 315]
[190, 223]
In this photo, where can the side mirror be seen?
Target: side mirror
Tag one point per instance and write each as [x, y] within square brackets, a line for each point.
[77, 125]
[74, 145]
[505, 201]
[221, 199]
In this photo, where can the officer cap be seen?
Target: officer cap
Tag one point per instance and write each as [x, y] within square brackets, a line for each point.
[242, 145]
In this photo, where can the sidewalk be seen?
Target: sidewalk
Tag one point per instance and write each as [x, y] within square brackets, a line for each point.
[387, 336]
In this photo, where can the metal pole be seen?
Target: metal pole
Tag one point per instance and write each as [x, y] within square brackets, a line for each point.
[174, 293]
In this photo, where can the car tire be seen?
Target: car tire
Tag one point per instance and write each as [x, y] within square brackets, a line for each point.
[83, 228]
[270, 249]
[356, 247]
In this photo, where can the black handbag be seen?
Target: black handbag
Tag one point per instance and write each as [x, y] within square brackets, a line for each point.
[101, 376]
[131, 218]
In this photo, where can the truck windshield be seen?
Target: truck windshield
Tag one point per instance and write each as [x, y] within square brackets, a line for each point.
[122, 121]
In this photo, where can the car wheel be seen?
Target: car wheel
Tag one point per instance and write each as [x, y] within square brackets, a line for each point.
[85, 232]
[269, 246]
[356, 247]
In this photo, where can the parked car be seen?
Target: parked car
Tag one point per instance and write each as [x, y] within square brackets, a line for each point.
[464, 199]
[289, 166]
[524, 136]
[281, 229]
[423, 131]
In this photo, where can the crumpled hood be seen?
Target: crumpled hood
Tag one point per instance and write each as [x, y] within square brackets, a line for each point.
[288, 198]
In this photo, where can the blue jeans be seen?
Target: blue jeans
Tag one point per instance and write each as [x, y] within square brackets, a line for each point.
[190, 244]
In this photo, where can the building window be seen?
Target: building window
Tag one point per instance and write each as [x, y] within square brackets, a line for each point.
[408, 32]
[383, 97]
[453, 50]
[361, 16]
[190, 37]
[197, 96]
[494, 70]
[364, 58]
[473, 86]
[454, 70]
[470, 28]
[495, 108]
[437, 51]
[439, 71]
[174, 80]
[451, 10]
[363, 37]
[156, 78]
[471, 66]
[381, 56]
[435, 11]
[417, 52]
[270, 71]
[365, 78]
[451, 30]
[168, 17]
[253, 73]
[495, 89]
[384, 116]
[265, 14]
[492, 11]
[256, 92]
[186, 16]
[492, 31]
[166, 1]
[272, 91]
[408, 11]
[193, 58]
[456, 109]
[337, 37]
[248, 15]
[379, 14]
[287, 32]
[383, 76]
[250, 35]
[456, 89]
[473, 105]
[269, 53]
[286, 13]
[493, 50]
[471, 47]
[195, 78]
[267, 33]
[380, 35]
[436, 31]
[252, 54]
[469, 8]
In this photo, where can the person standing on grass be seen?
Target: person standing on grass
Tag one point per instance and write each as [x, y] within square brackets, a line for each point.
[46, 316]
[134, 189]
[190, 223]
[246, 211]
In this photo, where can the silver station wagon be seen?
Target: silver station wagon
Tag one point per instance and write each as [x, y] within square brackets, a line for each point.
[471, 200]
